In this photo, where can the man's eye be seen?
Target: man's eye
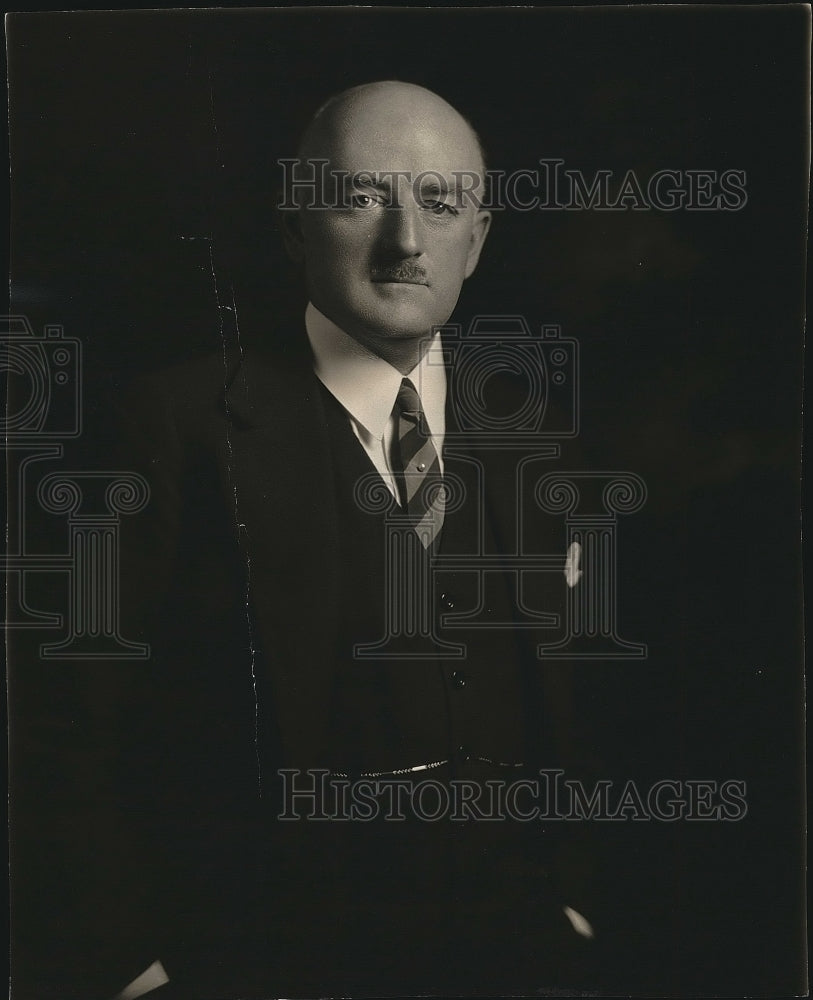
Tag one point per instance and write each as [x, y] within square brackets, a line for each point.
[360, 200]
[440, 208]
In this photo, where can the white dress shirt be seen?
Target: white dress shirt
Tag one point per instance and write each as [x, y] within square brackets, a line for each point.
[367, 386]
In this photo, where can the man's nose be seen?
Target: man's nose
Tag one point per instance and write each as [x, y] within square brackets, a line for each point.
[403, 234]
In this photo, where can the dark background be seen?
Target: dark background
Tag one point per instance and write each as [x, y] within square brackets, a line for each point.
[143, 150]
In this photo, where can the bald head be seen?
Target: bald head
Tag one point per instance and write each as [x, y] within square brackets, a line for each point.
[382, 110]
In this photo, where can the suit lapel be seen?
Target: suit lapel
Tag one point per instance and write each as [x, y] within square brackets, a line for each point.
[285, 507]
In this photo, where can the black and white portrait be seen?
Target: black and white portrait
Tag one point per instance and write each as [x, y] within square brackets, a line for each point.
[403, 447]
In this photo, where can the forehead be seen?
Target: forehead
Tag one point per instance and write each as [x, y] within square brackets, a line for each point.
[380, 135]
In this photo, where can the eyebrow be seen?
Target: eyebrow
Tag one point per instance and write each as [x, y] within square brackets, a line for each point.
[433, 187]
[365, 179]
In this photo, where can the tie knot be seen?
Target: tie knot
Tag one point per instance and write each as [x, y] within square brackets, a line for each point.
[409, 402]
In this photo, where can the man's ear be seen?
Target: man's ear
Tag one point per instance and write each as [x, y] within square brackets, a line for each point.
[482, 224]
[290, 225]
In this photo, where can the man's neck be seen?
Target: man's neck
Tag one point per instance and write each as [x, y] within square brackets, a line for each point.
[404, 354]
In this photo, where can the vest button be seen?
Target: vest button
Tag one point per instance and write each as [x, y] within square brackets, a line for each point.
[463, 753]
[458, 679]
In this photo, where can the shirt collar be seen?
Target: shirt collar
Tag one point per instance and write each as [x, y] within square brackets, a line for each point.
[365, 384]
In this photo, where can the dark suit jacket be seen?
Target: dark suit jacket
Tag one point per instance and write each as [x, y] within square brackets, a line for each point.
[233, 575]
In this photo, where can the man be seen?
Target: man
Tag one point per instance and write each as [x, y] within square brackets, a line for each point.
[260, 576]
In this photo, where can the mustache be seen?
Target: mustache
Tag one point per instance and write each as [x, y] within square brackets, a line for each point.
[402, 270]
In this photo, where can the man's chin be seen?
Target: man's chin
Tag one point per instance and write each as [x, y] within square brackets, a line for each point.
[403, 334]
[394, 323]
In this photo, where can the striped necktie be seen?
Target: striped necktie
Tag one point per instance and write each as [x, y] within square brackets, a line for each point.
[416, 466]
